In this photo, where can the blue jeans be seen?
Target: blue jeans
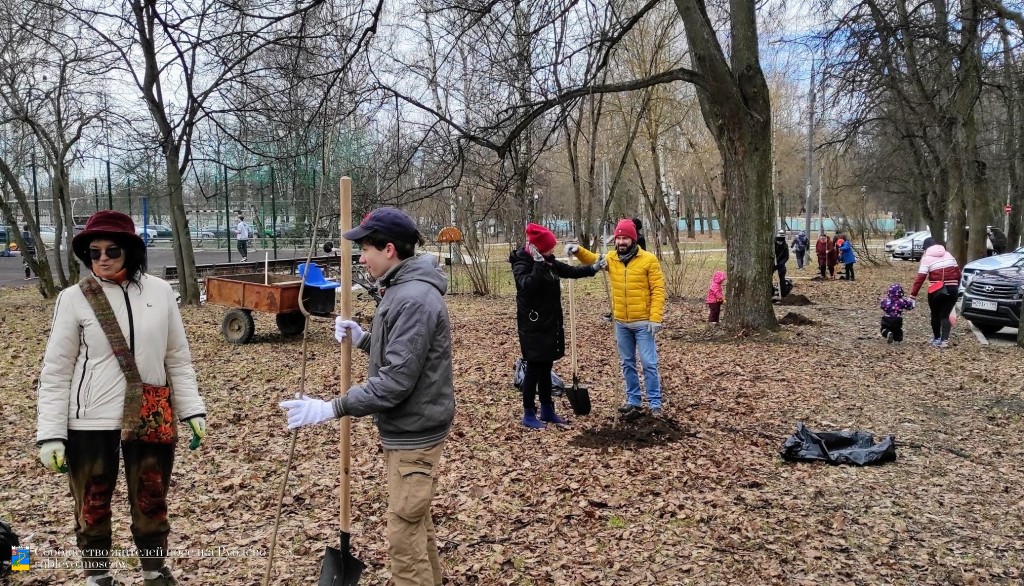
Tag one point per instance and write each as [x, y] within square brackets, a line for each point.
[632, 337]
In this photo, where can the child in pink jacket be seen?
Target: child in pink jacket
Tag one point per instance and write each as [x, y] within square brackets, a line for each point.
[715, 299]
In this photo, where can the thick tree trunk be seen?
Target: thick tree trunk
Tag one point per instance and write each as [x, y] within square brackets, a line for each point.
[736, 106]
[974, 169]
[747, 220]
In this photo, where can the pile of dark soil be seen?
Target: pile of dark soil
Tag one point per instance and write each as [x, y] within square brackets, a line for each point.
[795, 299]
[644, 432]
[795, 319]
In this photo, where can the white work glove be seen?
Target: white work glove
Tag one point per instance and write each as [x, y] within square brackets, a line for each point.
[600, 265]
[571, 249]
[198, 427]
[654, 327]
[307, 411]
[51, 454]
[343, 327]
[537, 256]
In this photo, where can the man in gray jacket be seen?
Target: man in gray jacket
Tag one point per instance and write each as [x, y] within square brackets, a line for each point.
[409, 388]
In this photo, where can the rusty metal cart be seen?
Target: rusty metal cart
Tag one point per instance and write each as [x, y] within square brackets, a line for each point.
[277, 294]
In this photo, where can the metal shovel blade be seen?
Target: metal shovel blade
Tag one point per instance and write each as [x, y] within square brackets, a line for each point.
[579, 397]
[340, 567]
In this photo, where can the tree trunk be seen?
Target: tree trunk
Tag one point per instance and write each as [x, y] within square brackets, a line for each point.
[184, 259]
[736, 106]
[974, 169]
[690, 228]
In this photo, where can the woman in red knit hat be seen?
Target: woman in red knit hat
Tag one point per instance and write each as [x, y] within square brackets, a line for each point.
[117, 348]
[539, 317]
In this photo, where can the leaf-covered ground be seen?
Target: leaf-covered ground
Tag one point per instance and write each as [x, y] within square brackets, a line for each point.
[701, 498]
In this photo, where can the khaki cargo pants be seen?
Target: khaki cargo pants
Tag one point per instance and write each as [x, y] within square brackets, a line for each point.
[412, 542]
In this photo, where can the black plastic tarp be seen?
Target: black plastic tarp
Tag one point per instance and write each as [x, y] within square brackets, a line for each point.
[843, 447]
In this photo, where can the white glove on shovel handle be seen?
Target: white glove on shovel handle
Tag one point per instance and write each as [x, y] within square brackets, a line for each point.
[345, 327]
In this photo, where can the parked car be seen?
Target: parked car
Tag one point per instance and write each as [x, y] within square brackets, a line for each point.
[47, 234]
[992, 300]
[162, 231]
[1000, 261]
[890, 246]
[201, 234]
[150, 233]
[218, 232]
[912, 247]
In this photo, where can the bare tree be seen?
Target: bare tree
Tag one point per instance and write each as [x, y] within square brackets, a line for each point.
[47, 67]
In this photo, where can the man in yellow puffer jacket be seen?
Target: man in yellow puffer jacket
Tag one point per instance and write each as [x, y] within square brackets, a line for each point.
[638, 300]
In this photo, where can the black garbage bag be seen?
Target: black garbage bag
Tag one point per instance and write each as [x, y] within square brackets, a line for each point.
[557, 385]
[844, 447]
[8, 540]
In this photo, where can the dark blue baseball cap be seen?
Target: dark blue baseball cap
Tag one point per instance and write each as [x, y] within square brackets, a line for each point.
[391, 222]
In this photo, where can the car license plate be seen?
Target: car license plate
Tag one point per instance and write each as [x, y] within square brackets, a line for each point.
[984, 305]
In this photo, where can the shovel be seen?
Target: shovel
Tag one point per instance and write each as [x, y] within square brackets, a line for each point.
[340, 567]
[579, 396]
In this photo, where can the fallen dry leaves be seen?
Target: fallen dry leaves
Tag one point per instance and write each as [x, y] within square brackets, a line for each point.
[701, 498]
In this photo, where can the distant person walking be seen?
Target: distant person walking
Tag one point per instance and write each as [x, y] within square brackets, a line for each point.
[800, 245]
[942, 272]
[30, 250]
[242, 237]
[893, 305]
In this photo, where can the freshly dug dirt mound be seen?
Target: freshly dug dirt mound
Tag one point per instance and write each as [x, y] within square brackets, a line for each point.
[795, 319]
[644, 432]
[795, 299]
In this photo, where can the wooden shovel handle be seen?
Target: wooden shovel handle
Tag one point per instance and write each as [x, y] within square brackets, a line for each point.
[346, 350]
[572, 327]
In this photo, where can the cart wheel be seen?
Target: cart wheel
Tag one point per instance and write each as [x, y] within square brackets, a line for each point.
[238, 326]
[291, 324]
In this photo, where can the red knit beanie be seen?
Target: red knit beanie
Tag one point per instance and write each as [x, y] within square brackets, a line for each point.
[626, 228]
[540, 237]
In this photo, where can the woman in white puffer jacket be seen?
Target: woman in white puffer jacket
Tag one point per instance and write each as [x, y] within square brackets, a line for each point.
[83, 422]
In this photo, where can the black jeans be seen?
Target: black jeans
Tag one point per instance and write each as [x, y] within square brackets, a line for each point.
[849, 271]
[537, 381]
[941, 306]
[243, 248]
[781, 268]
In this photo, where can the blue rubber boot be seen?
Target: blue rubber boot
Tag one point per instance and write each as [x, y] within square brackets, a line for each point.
[530, 419]
[547, 413]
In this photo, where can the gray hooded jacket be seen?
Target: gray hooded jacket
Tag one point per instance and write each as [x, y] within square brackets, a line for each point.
[409, 389]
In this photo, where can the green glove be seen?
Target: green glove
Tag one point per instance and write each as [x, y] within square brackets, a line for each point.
[51, 454]
[198, 426]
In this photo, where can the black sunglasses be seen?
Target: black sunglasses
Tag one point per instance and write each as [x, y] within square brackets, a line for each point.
[112, 252]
